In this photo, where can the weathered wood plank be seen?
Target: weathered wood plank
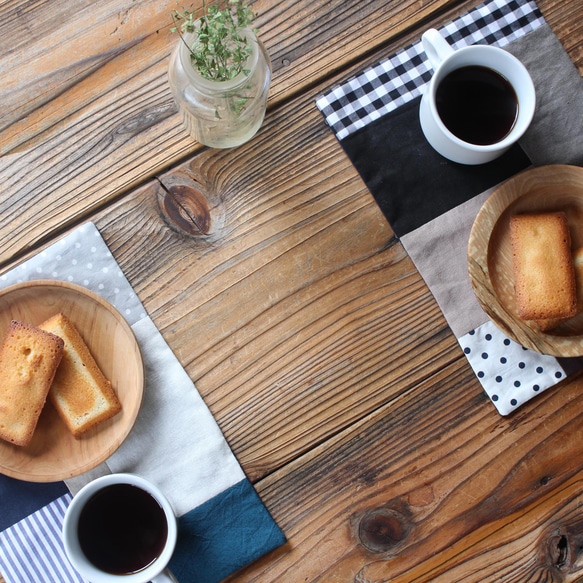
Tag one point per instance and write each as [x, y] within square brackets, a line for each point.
[463, 491]
[99, 123]
[435, 486]
[89, 106]
[298, 313]
[47, 49]
[299, 297]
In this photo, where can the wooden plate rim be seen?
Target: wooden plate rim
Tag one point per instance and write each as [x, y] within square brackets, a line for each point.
[478, 268]
[94, 462]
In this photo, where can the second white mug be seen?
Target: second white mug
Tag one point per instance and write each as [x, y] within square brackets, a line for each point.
[445, 60]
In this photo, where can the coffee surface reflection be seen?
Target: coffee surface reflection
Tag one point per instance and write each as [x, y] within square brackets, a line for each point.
[477, 104]
[122, 529]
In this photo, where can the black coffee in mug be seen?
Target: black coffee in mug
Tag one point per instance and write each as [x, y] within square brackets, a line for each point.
[122, 529]
[477, 104]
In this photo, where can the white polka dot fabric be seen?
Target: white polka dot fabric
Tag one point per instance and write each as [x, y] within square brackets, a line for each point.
[509, 373]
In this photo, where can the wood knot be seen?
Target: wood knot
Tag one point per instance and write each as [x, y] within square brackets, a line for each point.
[187, 209]
[559, 551]
[382, 529]
[564, 547]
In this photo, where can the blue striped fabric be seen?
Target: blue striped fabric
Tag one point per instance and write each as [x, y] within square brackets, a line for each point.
[31, 551]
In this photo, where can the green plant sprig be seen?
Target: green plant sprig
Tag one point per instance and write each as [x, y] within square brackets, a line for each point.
[219, 51]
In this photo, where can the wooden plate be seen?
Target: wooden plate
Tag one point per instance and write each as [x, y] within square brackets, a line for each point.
[54, 454]
[539, 189]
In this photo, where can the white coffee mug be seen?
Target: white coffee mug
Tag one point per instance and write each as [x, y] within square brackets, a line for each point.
[444, 59]
[156, 571]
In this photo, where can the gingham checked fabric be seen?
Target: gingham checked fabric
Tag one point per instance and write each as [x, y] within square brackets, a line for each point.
[400, 78]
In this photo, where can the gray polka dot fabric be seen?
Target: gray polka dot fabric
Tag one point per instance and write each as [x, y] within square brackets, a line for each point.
[82, 258]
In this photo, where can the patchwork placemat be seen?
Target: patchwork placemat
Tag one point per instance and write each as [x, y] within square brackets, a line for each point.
[431, 203]
[175, 443]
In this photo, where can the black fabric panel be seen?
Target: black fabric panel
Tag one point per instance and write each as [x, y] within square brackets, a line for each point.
[571, 365]
[410, 181]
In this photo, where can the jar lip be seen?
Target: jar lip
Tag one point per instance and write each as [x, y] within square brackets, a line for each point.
[201, 81]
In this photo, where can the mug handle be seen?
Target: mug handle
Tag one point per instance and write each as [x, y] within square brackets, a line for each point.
[165, 576]
[436, 47]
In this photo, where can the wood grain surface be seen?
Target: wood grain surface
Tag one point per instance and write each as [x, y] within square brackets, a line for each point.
[88, 110]
[280, 287]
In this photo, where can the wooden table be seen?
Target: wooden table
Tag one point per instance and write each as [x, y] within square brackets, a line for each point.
[320, 351]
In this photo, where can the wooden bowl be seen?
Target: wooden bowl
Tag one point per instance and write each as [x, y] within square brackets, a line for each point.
[539, 189]
[54, 454]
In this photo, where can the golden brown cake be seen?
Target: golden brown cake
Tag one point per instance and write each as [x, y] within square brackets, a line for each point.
[551, 323]
[544, 276]
[80, 392]
[29, 358]
[578, 265]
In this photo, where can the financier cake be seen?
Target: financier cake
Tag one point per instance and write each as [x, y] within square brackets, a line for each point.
[550, 323]
[544, 276]
[80, 392]
[29, 358]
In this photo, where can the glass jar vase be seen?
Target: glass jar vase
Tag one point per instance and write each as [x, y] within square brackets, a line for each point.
[221, 114]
